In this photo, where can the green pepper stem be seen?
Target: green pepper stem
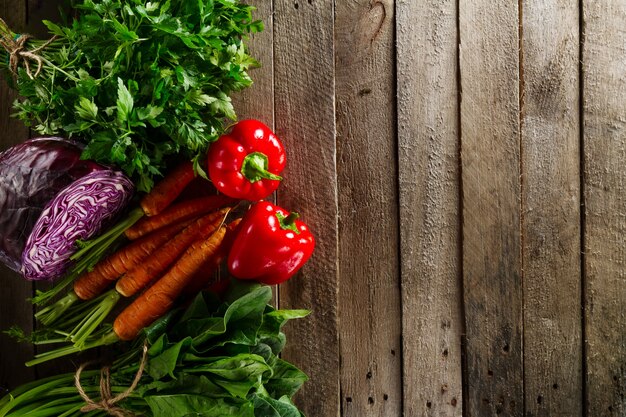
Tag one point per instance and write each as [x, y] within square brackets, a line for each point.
[288, 222]
[254, 168]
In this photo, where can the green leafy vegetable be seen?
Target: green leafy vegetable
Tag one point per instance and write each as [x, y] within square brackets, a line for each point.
[139, 81]
[198, 365]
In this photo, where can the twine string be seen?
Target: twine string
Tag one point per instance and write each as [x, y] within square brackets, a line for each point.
[16, 48]
[107, 400]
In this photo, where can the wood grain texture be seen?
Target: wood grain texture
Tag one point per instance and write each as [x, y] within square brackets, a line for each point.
[604, 87]
[551, 209]
[305, 121]
[428, 143]
[14, 307]
[490, 155]
[369, 290]
[257, 102]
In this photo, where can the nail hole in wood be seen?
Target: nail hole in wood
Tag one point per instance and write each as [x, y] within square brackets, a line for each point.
[370, 400]
[489, 372]
[555, 386]
[453, 402]
[539, 399]
[296, 5]
[393, 352]
[428, 404]
[369, 375]
[445, 352]
[506, 348]
[365, 91]
[348, 399]
[385, 397]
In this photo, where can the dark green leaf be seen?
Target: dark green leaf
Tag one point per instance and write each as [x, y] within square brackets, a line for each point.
[183, 405]
[286, 380]
[269, 407]
[165, 362]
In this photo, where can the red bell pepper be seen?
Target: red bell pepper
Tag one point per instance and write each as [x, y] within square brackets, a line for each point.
[246, 162]
[271, 245]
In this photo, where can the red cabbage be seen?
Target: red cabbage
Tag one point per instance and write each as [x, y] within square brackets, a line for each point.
[79, 211]
[31, 174]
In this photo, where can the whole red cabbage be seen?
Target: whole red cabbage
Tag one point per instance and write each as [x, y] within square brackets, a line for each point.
[31, 174]
[79, 211]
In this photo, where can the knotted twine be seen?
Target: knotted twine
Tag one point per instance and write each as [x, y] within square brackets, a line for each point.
[16, 48]
[107, 401]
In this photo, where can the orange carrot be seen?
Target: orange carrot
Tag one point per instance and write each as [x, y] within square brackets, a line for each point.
[142, 274]
[177, 212]
[206, 275]
[92, 283]
[160, 297]
[166, 191]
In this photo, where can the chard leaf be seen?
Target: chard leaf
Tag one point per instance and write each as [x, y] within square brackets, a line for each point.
[186, 383]
[238, 374]
[269, 407]
[165, 363]
[187, 405]
[286, 380]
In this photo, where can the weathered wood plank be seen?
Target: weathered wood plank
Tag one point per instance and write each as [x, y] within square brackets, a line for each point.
[551, 209]
[490, 155]
[14, 309]
[604, 127]
[257, 102]
[305, 121]
[428, 141]
[39, 10]
[369, 291]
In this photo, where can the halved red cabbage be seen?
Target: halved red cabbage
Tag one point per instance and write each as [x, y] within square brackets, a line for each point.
[79, 211]
[31, 174]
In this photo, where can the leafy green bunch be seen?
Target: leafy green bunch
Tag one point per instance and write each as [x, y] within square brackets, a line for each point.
[139, 81]
[210, 359]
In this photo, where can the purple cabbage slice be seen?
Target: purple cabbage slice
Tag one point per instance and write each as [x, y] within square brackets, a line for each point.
[78, 212]
[31, 174]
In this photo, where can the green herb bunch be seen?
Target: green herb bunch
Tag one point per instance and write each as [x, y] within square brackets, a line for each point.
[210, 359]
[139, 81]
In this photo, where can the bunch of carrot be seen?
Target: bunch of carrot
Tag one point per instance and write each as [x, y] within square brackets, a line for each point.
[172, 251]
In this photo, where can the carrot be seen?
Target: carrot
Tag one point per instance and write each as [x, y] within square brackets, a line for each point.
[92, 283]
[167, 189]
[205, 277]
[142, 274]
[177, 212]
[153, 203]
[160, 297]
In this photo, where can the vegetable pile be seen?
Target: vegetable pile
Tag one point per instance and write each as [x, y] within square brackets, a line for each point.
[168, 274]
[138, 81]
[210, 359]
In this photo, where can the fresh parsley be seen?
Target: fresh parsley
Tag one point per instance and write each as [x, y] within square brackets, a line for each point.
[140, 82]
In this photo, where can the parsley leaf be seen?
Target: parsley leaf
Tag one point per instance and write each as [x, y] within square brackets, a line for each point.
[141, 82]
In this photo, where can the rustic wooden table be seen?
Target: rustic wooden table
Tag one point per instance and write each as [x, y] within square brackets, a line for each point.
[463, 166]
